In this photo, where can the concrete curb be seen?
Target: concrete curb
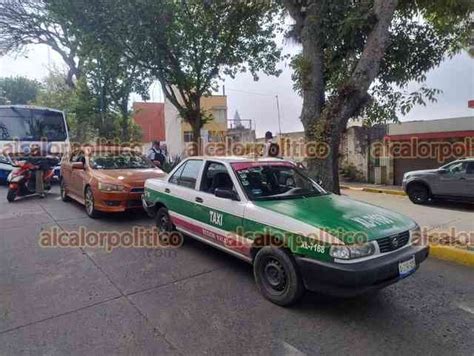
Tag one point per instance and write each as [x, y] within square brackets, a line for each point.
[453, 254]
[375, 190]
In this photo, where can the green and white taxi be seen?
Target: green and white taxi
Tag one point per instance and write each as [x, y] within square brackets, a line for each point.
[297, 236]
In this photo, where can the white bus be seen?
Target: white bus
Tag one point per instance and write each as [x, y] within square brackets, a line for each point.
[23, 127]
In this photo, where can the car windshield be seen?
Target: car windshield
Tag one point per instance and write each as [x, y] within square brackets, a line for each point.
[26, 124]
[272, 182]
[119, 160]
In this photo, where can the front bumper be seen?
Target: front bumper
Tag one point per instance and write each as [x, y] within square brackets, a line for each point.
[148, 207]
[117, 202]
[351, 279]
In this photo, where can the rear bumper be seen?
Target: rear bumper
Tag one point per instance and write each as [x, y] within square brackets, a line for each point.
[351, 279]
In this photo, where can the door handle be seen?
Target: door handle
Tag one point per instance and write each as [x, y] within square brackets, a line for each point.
[462, 178]
[199, 200]
[167, 190]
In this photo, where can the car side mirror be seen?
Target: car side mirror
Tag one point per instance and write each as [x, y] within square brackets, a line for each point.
[226, 194]
[77, 165]
[442, 171]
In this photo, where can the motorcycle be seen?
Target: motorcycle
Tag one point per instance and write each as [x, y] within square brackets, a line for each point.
[22, 179]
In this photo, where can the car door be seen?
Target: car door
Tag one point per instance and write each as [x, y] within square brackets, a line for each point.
[469, 179]
[221, 218]
[77, 176]
[452, 181]
[66, 171]
[180, 193]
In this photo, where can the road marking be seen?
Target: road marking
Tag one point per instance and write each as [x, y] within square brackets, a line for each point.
[466, 308]
[291, 350]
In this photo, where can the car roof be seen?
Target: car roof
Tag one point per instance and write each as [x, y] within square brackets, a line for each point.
[239, 159]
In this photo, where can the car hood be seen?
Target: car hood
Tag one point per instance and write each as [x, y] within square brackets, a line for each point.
[341, 216]
[421, 171]
[129, 176]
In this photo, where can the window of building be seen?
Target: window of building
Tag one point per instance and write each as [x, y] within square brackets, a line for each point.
[188, 136]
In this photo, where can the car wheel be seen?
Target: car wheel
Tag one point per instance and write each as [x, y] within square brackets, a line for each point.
[62, 190]
[89, 203]
[277, 276]
[165, 227]
[418, 194]
[11, 195]
[163, 220]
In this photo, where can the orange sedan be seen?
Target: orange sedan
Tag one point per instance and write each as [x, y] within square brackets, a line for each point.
[106, 179]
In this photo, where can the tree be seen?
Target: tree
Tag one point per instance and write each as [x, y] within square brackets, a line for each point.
[18, 90]
[112, 78]
[186, 45]
[358, 58]
[25, 22]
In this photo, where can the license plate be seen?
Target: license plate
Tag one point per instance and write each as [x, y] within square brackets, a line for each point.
[407, 267]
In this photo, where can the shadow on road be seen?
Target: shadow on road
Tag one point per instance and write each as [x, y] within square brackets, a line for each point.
[452, 205]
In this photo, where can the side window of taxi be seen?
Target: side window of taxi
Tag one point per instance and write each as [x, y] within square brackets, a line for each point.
[215, 176]
[187, 174]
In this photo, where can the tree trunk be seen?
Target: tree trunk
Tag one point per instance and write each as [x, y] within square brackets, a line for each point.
[197, 142]
[324, 121]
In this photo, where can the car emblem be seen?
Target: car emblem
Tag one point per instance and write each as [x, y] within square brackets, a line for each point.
[395, 242]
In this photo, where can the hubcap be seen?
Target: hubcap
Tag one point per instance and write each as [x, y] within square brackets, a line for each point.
[419, 195]
[164, 223]
[274, 275]
[89, 202]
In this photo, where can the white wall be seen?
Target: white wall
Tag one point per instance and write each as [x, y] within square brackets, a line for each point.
[174, 139]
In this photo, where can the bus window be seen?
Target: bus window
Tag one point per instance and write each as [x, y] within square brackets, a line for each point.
[31, 124]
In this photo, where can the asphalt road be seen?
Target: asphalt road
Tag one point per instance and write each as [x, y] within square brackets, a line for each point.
[196, 300]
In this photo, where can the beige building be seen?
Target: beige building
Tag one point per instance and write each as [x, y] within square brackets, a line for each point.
[179, 133]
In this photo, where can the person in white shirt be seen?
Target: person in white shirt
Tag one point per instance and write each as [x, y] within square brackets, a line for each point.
[271, 148]
[156, 154]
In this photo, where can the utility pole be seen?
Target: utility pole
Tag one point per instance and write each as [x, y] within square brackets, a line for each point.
[278, 110]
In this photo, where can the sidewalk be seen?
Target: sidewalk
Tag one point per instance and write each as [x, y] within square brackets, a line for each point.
[373, 188]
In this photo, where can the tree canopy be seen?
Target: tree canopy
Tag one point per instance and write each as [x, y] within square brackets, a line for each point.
[358, 58]
[186, 45]
[25, 22]
[18, 90]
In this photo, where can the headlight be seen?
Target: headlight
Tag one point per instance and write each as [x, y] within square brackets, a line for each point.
[347, 252]
[106, 187]
[415, 235]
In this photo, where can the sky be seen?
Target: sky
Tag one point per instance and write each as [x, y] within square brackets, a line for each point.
[257, 100]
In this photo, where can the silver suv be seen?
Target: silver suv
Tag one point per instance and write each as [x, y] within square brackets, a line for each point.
[454, 180]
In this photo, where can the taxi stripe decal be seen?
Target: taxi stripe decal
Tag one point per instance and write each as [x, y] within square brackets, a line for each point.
[226, 239]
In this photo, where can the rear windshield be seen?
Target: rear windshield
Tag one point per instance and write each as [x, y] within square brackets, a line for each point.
[31, 125]
[119, 160]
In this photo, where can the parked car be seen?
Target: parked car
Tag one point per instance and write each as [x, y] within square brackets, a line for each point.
[297, 236]
[453, 181]
[106, 179]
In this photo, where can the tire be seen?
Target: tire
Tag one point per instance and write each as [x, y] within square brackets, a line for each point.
[163, 221]
[277, 276]
[11, 195]
[418, 193]
[165, 226]
[62, 190]
[89, 203]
